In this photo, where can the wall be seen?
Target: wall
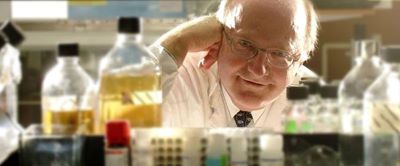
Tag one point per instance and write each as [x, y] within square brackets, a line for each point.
[385, 23]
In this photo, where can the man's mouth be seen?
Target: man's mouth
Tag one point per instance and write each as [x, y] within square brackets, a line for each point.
[251, 83]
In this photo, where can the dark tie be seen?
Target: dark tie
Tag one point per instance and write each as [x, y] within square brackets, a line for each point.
[243, 118]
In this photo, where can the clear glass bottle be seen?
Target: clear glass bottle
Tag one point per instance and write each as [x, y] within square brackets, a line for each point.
[10, 75]
[66, 93]
[352, 87]
[314, 98]
[381, 113]
[359, 34]
[129, 86]
[3, 75]
[382, 100]
[328, 114]
[295, 118]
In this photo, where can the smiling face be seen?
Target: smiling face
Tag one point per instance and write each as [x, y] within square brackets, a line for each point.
[253, 83]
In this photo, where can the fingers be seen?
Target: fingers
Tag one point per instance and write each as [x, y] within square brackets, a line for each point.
[202, 33]
[211, 57]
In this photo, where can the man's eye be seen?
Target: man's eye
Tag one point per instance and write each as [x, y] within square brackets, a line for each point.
[279, 54]
[245, 44]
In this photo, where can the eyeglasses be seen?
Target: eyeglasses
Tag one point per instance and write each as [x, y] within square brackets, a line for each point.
[275, 57]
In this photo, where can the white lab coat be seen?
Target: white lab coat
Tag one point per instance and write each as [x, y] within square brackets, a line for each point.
[193, 96]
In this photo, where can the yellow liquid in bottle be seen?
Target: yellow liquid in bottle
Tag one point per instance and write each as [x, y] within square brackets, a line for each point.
[133, 98]
[82, 120]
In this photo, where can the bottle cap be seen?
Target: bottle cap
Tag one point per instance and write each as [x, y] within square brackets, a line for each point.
[360, 32]
[68, 49]
[2, 41]
[392, 54]
[129, 25]
[297, 92]
[118, 133]
[13, 33]
[312, 84]
[308, 78]
[329, 91]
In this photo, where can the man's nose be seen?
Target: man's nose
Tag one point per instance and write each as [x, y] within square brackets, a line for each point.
[258, 66]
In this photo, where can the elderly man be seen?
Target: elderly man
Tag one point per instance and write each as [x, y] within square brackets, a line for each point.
[245, 57]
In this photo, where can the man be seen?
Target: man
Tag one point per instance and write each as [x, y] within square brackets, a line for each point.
[245, 58]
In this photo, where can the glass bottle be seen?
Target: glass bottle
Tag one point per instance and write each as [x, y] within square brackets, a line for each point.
[381, 113]
[66, 93]
[352, 87]
[328, 114]
[10, 75]
[295, 118]
[314, 99]
[382, 100]
[129, 86]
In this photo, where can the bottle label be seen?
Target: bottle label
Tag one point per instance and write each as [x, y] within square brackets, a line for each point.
[222, 161]
[290, 126]
[383, 117]
[117, 156]
[272, 162]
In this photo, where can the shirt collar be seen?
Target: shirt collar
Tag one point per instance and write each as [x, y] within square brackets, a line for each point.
[233, 110]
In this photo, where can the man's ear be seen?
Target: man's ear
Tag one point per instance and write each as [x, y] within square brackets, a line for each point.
[211, 56]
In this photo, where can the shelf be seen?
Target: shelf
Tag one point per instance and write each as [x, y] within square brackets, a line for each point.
[341, 14]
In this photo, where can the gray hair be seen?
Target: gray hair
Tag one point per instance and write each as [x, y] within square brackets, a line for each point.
[311, 34]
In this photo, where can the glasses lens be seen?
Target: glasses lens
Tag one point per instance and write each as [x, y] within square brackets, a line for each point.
[246, 50]
[280, 59]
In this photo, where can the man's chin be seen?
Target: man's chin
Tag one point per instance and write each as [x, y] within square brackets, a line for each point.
[247, 103]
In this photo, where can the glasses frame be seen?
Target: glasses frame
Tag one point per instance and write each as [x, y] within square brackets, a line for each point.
[256, 51]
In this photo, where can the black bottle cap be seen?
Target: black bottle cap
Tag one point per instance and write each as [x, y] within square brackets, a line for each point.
[2, 41]
[360, 32]
[297, 92]
[13, 33]
[312, 84]
[391, 54]
[308, 78]
[129, 25]
[68, 49]
[329, 91]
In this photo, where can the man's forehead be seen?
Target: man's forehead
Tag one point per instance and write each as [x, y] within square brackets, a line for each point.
[271, 19]
[277, 6]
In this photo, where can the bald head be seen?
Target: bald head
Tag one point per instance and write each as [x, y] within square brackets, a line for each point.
[292, 19]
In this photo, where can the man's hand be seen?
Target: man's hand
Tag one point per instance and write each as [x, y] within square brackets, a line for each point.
[201, 34]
